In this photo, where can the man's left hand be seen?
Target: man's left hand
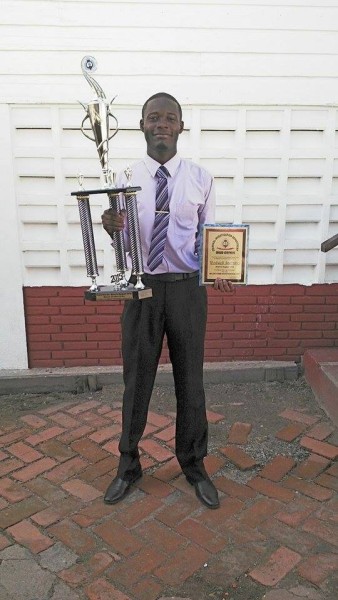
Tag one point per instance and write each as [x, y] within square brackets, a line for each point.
[223, 285]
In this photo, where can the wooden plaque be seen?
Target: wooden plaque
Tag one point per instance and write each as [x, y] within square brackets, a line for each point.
[224, 253]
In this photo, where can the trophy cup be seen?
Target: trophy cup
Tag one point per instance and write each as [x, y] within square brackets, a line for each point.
[98, 113]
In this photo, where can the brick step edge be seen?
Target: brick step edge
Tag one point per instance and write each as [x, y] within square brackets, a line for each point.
[317, 370]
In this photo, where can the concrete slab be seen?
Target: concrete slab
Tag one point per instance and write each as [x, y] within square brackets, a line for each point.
[80, 379]
[21, 577]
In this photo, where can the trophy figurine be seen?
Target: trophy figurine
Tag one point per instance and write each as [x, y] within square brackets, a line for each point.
[98, 112]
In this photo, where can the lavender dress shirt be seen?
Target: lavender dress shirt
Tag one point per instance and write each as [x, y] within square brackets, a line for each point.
[192, 203]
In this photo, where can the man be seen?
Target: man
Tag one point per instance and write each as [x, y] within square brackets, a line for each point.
[174, 203]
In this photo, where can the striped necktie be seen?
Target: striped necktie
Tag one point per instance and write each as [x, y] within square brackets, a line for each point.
[161, 220]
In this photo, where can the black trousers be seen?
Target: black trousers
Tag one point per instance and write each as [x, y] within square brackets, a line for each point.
[179, 310]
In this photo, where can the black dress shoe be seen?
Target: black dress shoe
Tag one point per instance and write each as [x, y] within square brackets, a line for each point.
[207, 493]
[119, 488]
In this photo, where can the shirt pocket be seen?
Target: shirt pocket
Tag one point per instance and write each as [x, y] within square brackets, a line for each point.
[186, 217]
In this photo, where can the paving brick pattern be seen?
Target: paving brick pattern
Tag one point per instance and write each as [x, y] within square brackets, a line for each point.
[276, 533]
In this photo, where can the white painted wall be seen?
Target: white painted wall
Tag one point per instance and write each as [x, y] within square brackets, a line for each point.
[258, 82]
[237, 52]
[13, 352]
[275, 168]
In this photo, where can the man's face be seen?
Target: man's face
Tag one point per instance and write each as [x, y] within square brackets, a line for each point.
[161, 125]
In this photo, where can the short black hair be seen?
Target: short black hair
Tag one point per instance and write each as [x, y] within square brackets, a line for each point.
[160, 95]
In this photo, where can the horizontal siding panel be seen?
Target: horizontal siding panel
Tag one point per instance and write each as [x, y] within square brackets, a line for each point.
[305, 3]
[278, 3]
[271, 65]
[122, 14]
[157, 63]
[199, 90]
[131, 63]
[93, 39]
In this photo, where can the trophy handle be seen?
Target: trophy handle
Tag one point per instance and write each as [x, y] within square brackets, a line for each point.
[93, 139]
[117, 125]
[83, 131]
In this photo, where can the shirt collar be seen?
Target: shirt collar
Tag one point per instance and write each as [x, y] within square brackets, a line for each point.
[152, 165]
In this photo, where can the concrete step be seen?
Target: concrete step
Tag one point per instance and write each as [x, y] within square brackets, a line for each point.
[79, 379]
[321, 373]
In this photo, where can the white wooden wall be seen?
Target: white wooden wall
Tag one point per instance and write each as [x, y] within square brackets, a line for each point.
[205, 52]
[258, 82]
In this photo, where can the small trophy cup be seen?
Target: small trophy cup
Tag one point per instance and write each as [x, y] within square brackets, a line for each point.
[98, 113]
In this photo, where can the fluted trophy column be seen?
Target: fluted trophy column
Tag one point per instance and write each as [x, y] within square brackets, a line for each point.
[98, 113]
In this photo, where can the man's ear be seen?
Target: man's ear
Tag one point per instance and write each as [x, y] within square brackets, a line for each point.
[142, 125]
[182, 126]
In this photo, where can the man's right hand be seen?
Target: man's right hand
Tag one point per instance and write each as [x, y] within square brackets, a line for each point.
[113, 221]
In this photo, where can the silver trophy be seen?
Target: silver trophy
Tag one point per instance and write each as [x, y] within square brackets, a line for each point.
[98, 111]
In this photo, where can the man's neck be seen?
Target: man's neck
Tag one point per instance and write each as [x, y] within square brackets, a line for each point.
[162, 157]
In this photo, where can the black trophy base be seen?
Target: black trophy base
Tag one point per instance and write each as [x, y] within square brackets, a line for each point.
[109, 292]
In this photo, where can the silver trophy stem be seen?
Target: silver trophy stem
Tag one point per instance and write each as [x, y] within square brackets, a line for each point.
[118, 241]
[135, 238]
[88, 239]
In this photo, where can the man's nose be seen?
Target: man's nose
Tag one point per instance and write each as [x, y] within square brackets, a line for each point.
[162, 122]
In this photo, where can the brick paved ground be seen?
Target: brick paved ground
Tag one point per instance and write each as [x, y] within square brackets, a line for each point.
[274, 537]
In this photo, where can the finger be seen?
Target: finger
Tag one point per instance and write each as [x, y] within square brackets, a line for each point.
[228, 286]
[218, 284]
[224, 285]
[112, 221]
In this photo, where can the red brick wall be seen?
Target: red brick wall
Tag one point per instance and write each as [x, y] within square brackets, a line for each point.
[266, 322]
